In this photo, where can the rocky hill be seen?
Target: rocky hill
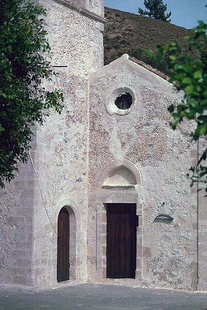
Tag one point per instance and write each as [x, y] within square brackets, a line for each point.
[132, 34]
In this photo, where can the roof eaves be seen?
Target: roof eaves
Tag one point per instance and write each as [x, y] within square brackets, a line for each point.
[149, 68]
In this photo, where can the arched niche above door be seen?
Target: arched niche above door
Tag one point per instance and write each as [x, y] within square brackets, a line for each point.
[120, 177]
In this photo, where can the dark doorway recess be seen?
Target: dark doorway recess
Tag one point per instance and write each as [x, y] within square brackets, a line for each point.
[63, 246]
[121, 240]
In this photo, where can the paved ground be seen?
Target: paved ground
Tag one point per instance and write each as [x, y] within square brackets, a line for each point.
[100, 297]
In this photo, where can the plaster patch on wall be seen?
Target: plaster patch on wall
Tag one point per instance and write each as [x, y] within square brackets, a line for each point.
[115, 145]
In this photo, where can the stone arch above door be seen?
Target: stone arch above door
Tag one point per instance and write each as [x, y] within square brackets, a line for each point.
[117, 184]
[120, 177]
[119, 173]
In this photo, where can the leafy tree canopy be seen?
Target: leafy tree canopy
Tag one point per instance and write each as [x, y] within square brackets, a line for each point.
[156, 9]
[189, 73]
[23, 66]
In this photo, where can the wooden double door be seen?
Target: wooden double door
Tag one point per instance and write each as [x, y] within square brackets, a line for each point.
[121, 240]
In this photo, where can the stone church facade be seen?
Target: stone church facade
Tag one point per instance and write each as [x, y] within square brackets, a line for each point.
[104, 196]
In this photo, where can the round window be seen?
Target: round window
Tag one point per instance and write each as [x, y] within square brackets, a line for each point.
[123, 101]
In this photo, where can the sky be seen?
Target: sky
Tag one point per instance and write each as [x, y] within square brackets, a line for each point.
[185, 13]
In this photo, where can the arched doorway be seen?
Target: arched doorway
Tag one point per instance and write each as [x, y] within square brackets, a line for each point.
[121, 223]
[63, 240]
[115, 206]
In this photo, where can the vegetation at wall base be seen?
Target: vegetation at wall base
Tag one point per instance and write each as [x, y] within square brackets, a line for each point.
[23, 67]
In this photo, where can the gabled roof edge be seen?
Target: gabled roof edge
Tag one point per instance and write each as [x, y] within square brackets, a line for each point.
[149, 68]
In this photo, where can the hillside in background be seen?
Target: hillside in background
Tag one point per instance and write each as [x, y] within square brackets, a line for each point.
[133, 34]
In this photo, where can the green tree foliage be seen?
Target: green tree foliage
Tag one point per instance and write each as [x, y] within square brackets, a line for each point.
[156, 9]
[23, 66]
[189, 73]
[160, 64]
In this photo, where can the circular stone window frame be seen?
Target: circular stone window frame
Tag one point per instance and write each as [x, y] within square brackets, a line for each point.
[111, 106]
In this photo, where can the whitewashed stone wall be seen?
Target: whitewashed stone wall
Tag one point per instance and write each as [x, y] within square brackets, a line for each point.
[73, 154]
[16, 229]
[202, 228]
[62, 147]
[57, 176]
[143, 141]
